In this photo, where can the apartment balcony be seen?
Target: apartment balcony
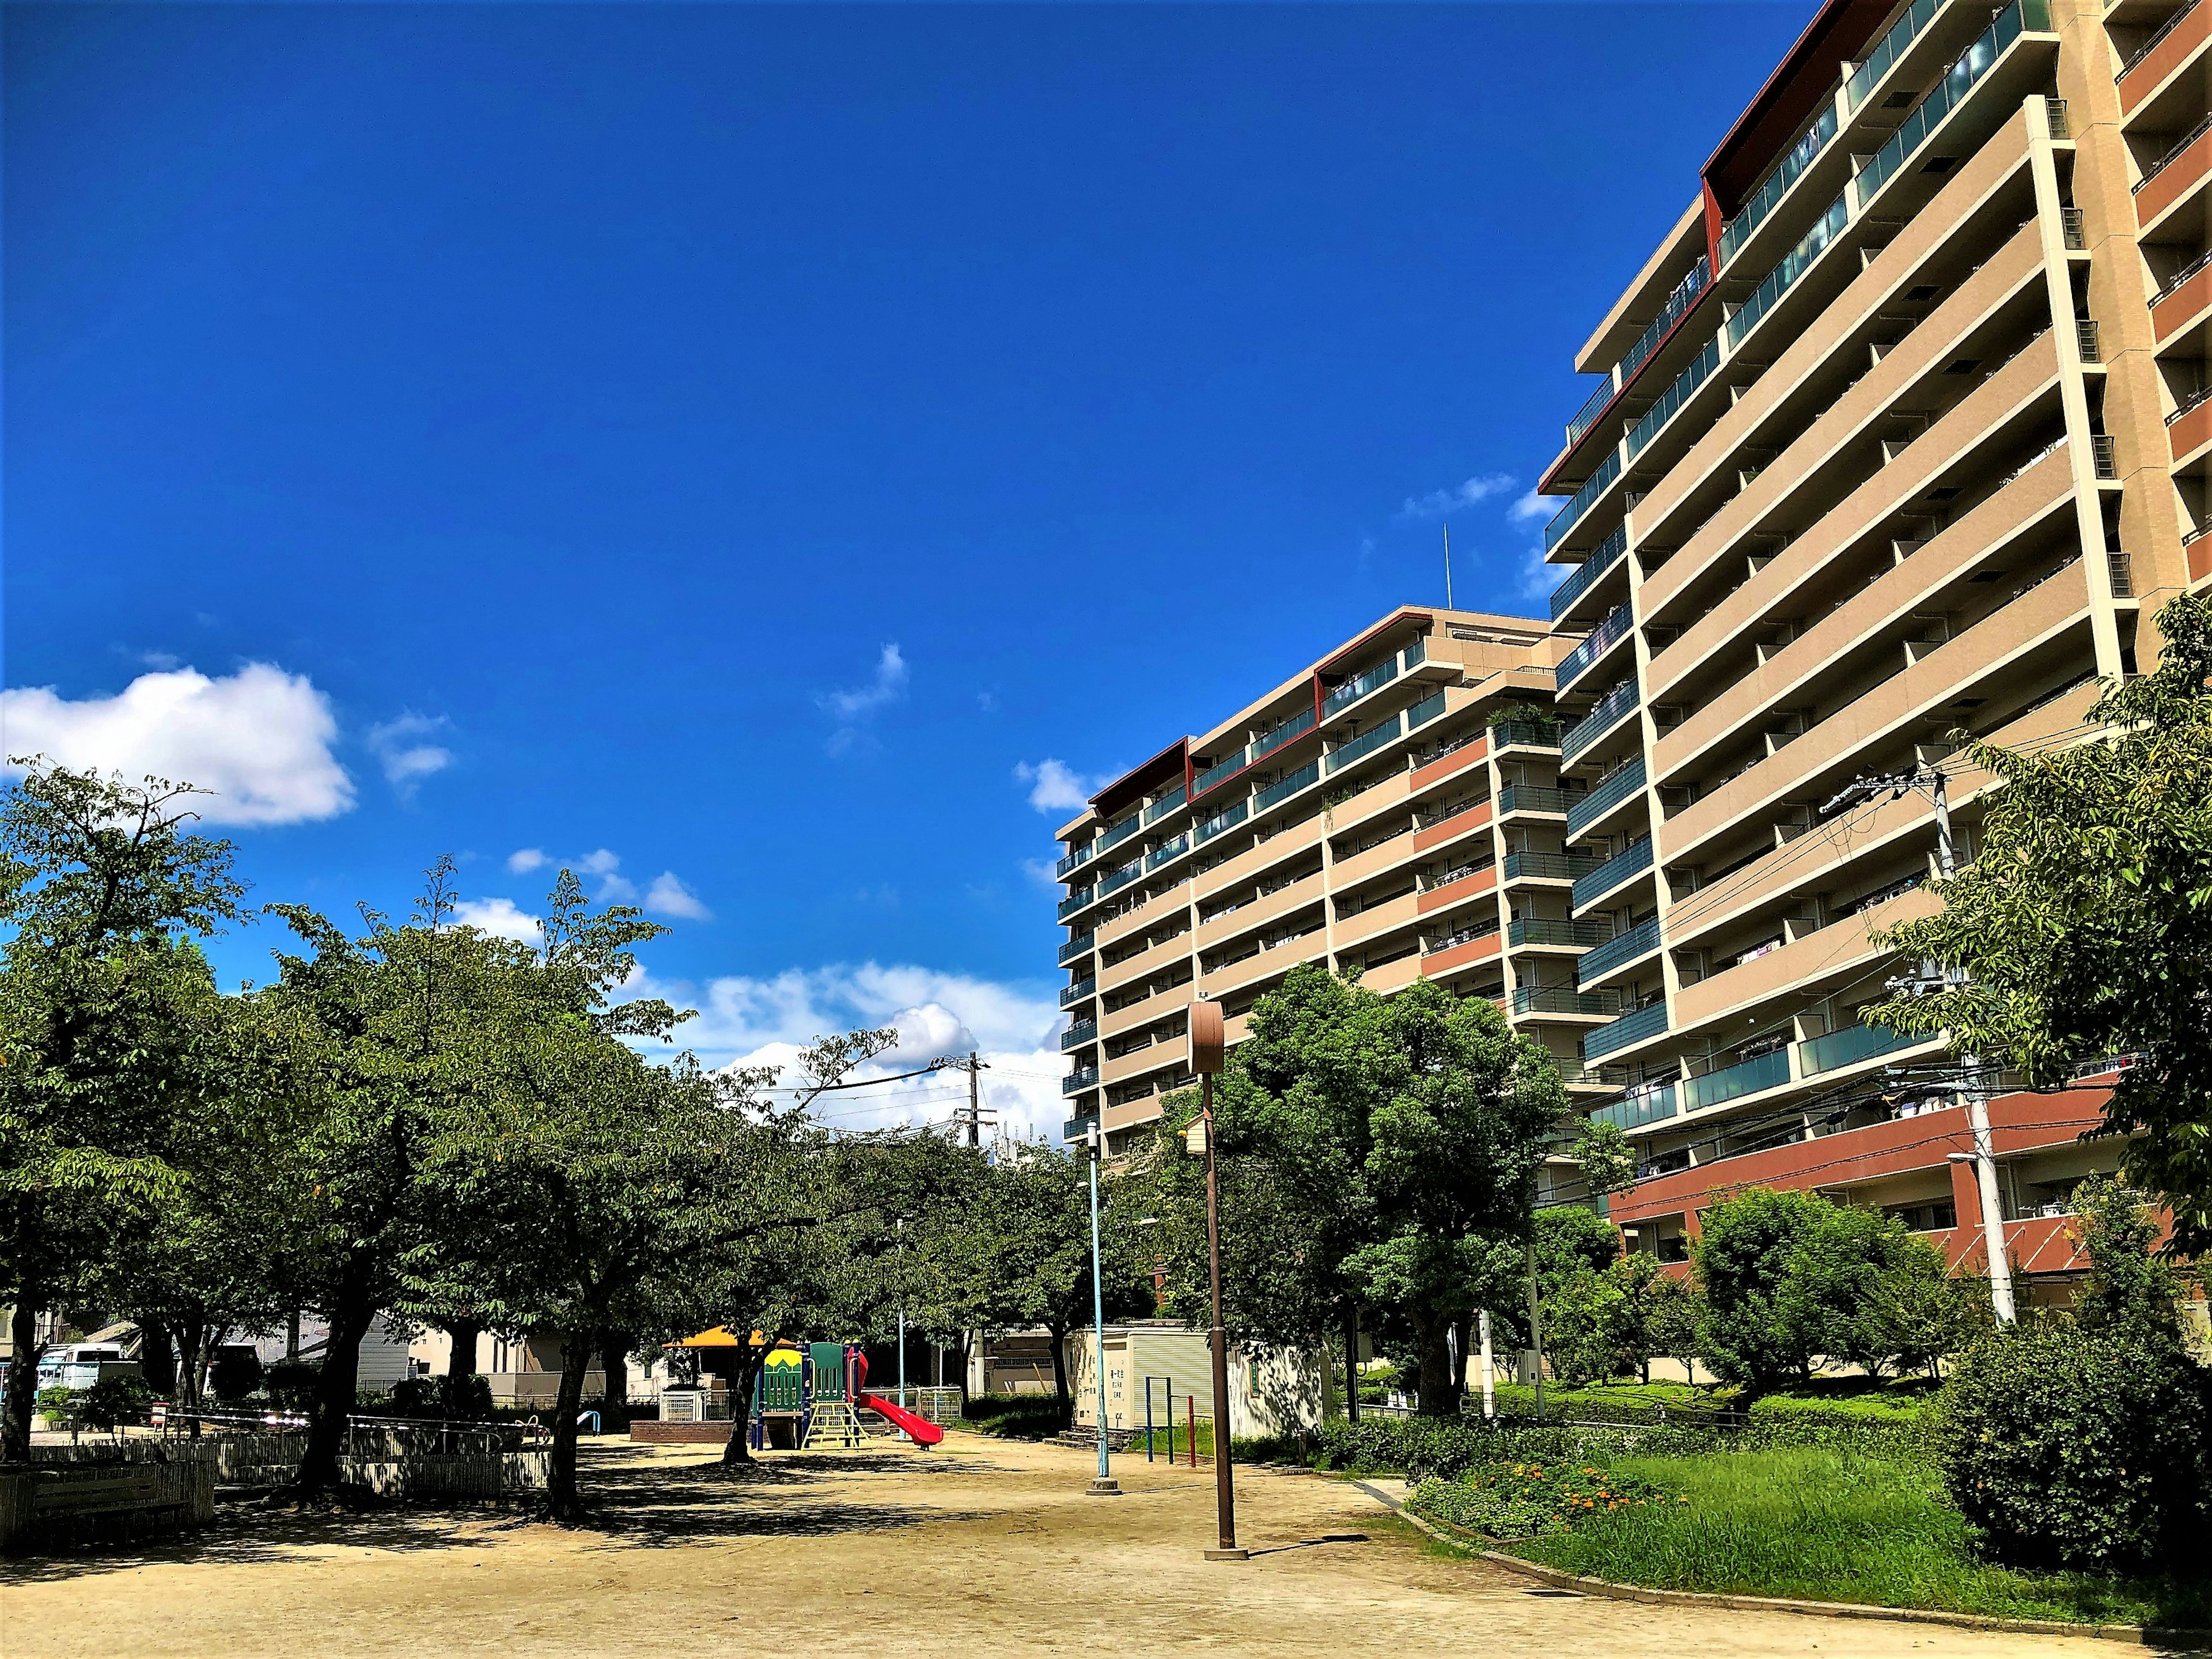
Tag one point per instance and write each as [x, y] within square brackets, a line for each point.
[1364, 927]
[1352, 690]
[1077, 948]
[2189, 429]
[2175, 176]
[1081, 899]
[1456, 885]
[1267, 909]
[1553, 868]
[1076, 1082]
[1548, 933]
[1166, 805]
[1143, 918]
[1587, 585]
[1293, 783]
[1629, 1029]
[1542, 735]
[1079, 1127]
[1472, 750]
[1284, 735]
[1852, 1046]
[1265, 967]
[1228, 818]
[1612, 631]
[1081, 991]
[1460, 950]
[2159, 62]
[1559, 534]
[1078, 1033]
[1558, 1002]
[1605, 880]
[1749, 1076]
[1366, 744]
[1075, 860]
[1167, 852]
[1618, 788]
[1116, 834]
[1639, 944]
[1614, 707]
[1458, 827]
[1113, 880]
[1779, 977]
[1165, 1004]
[1532, 800]
[1640, 1110]
[1150, 960]
[1253, 864]
[2183, 301]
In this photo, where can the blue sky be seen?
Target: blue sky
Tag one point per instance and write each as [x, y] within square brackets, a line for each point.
[738, 448]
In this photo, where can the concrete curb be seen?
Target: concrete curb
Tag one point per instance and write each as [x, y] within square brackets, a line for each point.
[2136, 1635]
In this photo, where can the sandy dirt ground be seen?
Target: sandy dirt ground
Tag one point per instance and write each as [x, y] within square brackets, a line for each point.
[982, 1548]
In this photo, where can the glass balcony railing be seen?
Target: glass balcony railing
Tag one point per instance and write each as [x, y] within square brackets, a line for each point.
[1558, 999]
[1413, 655]
[1746, 1077]
[1529, 798]
[1609, 554]
[1544, 930]
[1525, 734]
[1075, 860]
[1287, 786]
[1071, 995]
[1076, 947]
[1165, 805]
[1640, 940]
[1219, 772]
[1586, 417]
[1288, 731]
[1076, 1082]
[1635, 1110]
[1076, 901]
[1425, 711]
[1612, 708]
[1764, 199]
[1629, 1028]
[1616, 627]
[1166, 850]
[1825, 229]
[1888, 50]
[1352, 690]
[1631, 860]
[1848, 1047]
[1672, 399]
[1220, 821]
[1117, 832]
[1582, 501]
[1078, 1126]
[1616, 787]
[1928, 113]
[1114, 880]
[1685, 294]
[1546, 866]
[1076, 1036]
[1365, 745]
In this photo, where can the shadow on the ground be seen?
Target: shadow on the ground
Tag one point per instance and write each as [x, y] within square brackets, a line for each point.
[633, 1500]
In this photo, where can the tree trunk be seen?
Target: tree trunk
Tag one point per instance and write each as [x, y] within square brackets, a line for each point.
[563, 1503]
[1059, 1389]
[467, 1335]
[1352, 1362]
[157, 1356]
[192, 1362]
[1438, 1397]
[614, 1369]
[739, 1450]
[333, 1403]
[24, 1351]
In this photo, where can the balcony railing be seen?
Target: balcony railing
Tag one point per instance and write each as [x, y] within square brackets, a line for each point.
[1928, 114]
[2173, 284]
[1606, 555]
[1888, 50]
[1352, 690]
[1220, 821]
[1288, 731]
[1794, 265]
[1610, 708]
[1165, 805]
[1746, 1077]
[1544, 930]
[1457, 873]
[1525, 734]
[1166, 850]
[1071, 995]
[1684, 295]
[1076, 901]
[1078, 1126]
[1634, 1112]
[1629, 1028]
[2157, 35]
[1413, 655]
[1531, 798]
[1581, 501]
[1586, 417]
[1848, 1047]
[1616, 787]
[2174, 152]
[1078, 946]
[1287, 786]
[1672, 399]
[1767, 196]
[1425, 711]
[1546, 866]
[1118, 833]
[1076, 1034]
[1076, 1082]
[1076, 859]
[1616, 627]
[1219, 772]
[1366, 744]
[1631, 860]
[1558, 999]
[1638, 941]
[1485, 928]
[1114, 880]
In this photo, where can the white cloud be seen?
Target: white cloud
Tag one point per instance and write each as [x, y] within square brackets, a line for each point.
[525, 860]
[749, 1021]
[260, 739]
[1042, 873]
[1468, 492]
[1056, 787]
[499, 916]
[668, 897]
[854, 707]
[1532, 507]
[407, 760]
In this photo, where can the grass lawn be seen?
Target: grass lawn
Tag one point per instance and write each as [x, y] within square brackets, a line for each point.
[1829, 1526]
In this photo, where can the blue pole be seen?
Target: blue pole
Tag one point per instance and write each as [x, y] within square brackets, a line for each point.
[1099, 1313]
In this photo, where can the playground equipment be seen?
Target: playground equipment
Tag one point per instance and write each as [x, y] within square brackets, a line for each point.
[811, 1397]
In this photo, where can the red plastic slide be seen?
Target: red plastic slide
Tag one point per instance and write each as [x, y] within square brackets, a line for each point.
[925, 1432]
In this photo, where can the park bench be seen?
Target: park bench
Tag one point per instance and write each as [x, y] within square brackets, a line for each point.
[103, 1490]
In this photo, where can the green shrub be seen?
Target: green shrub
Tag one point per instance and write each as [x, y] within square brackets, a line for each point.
[58, 1404]
[1014, 1416]
[290, 1383]
[114, 1401]
[1531, 1500]
[2075, 1447]
[236, 1374]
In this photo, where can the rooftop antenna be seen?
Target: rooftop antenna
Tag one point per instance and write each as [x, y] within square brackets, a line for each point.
[1447, 604]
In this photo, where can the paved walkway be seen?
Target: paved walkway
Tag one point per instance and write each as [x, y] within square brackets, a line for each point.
[982, 1547]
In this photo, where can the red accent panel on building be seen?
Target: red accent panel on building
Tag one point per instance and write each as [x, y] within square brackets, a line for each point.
[1467, 887]
[1132, 786]
[1435, 770]
[1360, 644]
[1840, 31]
[1460, 824]
[1475, 950]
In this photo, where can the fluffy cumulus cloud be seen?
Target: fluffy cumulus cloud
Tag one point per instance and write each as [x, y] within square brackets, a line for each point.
[1057, 787]
[524, 860]
[748, 1021]
[854, 707]
[1469, 492]
[1533, 508]
[402, 749]
[499, 916]
[666, 895]
[258, 739]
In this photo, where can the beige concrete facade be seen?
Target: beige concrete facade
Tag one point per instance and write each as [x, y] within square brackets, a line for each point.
[1907, 433]
[1370, 812]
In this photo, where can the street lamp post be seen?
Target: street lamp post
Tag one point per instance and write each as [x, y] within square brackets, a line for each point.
[1104, 1485]
[1207, 1044]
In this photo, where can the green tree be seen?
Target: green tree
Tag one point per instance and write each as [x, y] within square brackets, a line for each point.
[2083, 927]
[1916, 1315]
[105, 1006]
[2126, 1287]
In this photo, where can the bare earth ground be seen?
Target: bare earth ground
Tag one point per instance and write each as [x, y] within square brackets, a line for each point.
[982, 1548]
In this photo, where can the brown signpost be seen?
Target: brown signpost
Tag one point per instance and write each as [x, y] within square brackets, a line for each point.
[1207, 1044]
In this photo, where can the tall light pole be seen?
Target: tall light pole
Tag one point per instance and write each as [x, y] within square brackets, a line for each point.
[1104, 1485]
[1207, 1044]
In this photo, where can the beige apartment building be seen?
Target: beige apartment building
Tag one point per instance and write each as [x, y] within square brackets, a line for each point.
[1393, 808]
[1903, 428]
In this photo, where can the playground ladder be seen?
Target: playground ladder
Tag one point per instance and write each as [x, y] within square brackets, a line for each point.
[833, 1423]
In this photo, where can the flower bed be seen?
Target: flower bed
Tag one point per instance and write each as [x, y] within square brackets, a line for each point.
[1532, 1500]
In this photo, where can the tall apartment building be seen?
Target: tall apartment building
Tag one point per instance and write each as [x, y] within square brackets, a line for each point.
[1904, 428]
[1391, 808]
